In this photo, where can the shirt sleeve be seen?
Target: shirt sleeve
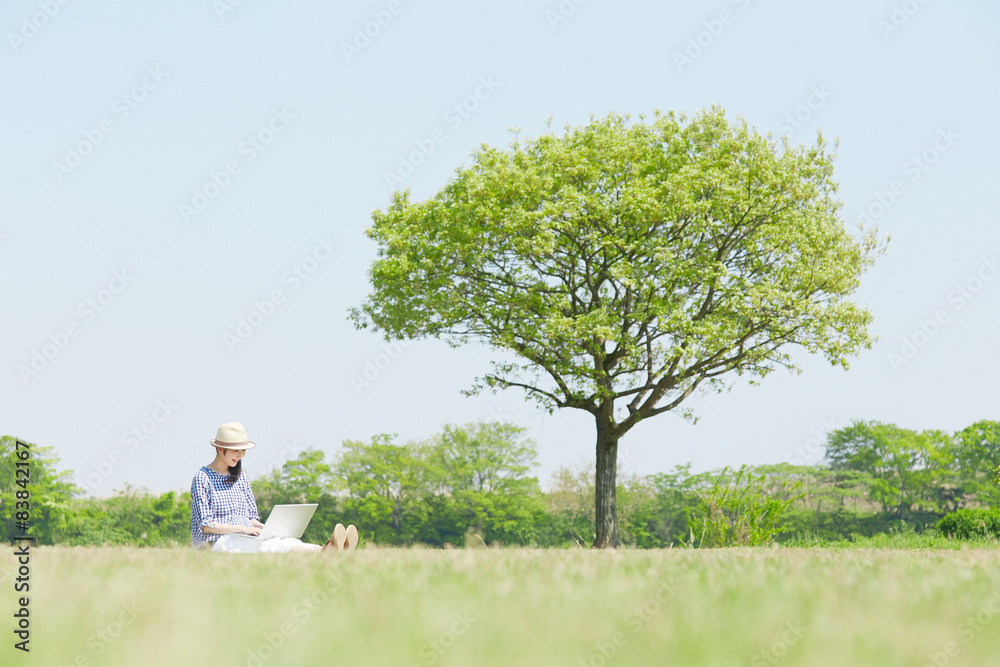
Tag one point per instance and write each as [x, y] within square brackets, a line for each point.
[251, 501]
[199, 501]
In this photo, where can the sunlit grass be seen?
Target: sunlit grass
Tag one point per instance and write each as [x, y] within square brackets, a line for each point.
[815, 607]
[930, 539]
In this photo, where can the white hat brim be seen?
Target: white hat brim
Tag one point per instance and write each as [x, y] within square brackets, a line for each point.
[232, 445]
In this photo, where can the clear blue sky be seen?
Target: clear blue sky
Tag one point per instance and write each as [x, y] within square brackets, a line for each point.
[115, 114]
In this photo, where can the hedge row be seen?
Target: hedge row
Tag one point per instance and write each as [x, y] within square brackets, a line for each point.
[968, 524]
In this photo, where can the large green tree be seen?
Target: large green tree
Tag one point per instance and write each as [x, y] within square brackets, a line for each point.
[907, 468]
[484, 470]
[387, 485]
[50, 490]
[620, 266]
[977, 457]
[300, 480]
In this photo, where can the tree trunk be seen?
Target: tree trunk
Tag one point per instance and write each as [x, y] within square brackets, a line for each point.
[605, 488]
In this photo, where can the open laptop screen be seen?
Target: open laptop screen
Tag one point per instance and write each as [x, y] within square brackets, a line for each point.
[287, 521]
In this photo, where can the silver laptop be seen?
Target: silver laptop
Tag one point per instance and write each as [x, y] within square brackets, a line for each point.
[287, 521]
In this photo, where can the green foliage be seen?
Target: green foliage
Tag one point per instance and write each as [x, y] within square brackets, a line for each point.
[130, 516]
[471, 479]
[472, 484]
[623, 264]
[483, 469]
[645, 514]
[896, 539]
[907, 469]
[968, 524]
[977, 460]
[677, 494]
[306, 476]
[739, 510]
[51, 491]
[842, 524]
[629, 242]
[386, 484]
[569, 516]
[930, 539]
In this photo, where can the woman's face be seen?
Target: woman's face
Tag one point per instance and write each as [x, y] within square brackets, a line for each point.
[231, 456]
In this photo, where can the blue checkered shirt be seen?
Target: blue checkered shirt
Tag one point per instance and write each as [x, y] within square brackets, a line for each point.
[215, 498]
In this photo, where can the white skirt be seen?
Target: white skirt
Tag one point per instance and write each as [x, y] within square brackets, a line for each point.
[250, 545]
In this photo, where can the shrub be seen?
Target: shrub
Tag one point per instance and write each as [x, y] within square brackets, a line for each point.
[739, 510]
[969, 524]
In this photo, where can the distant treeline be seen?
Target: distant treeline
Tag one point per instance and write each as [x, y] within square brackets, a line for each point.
[472, 484]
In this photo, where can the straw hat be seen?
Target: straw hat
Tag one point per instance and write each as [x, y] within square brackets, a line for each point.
[231, 436]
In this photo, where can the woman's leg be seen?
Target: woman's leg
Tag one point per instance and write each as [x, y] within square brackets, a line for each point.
[237, 544]
[285, 545]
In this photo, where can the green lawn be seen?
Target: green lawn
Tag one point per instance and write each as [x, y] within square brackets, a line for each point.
[387, 607]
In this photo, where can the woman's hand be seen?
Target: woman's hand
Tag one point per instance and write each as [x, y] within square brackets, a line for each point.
[249, 530]
[255, 522]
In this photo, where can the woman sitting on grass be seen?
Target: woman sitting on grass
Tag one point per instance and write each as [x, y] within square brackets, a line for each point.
[224, 511]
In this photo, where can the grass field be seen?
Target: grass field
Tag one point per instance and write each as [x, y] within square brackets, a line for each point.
[387, 607]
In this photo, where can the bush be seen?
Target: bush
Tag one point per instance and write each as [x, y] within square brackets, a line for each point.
[739, 510]
[970, 524]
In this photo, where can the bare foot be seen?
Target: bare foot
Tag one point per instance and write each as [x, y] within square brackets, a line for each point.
[352, 537]
[337, 539]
